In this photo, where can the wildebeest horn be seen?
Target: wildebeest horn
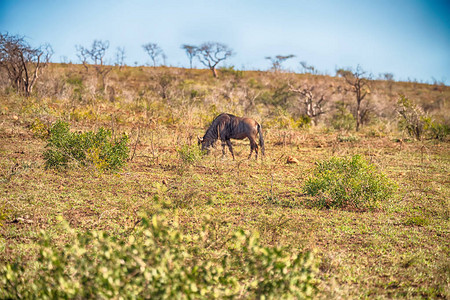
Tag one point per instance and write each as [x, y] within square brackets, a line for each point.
[199, 139]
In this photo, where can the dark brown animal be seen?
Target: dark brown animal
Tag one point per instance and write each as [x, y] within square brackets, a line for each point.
[226, 127]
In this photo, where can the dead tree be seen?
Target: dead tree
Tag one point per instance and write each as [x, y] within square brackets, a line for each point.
[250, 95]
[358, 81]
[211, 54]
[22, 63]
[95, 56]
[313, 101]
[120, 57]
[154, 51]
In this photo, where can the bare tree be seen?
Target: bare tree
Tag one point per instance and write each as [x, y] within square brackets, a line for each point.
[153, 50]
[387, 76]
[22, 63]
[120, 57]
[313, 100]
[82, 56]
[278, 60]
[358, 80]
[95, 56]
[190, 52]
[211, 54]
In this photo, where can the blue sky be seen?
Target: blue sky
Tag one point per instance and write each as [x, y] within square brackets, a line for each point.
[410, 39]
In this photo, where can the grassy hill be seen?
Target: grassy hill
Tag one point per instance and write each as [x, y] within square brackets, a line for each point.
[398, 249]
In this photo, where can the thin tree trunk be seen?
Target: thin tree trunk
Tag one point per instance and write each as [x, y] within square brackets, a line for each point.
[213, 69]
[358, 115]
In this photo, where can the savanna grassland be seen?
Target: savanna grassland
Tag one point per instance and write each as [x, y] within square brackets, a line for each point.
[400, 249]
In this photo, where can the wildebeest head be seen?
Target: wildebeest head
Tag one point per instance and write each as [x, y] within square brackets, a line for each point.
[205, 142]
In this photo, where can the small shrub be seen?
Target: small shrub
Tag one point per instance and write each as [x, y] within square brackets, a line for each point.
[348, 183]
[232, 72]
[343, 119]
[39, 129]
[303, 122]
[438, 131]
[413, 120]
[282, 119]
[417, 124]
[159, 261]
[98, 148]
[190, 154]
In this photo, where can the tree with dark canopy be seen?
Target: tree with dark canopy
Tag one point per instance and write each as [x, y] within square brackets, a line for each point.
[278, 60]
[190, 52]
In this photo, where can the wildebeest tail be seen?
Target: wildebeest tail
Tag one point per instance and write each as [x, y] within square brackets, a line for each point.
[261, 140]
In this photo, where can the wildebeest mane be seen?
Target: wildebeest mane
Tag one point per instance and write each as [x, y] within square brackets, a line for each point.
[221, 127]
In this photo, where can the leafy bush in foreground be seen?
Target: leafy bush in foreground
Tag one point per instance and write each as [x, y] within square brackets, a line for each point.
[348, 183]
[97, 148]
[159, 262]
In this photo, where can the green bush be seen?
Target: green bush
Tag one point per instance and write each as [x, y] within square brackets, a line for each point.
[438, 131]
[159, 262]
[343, 119]
[190, 154]
[232, 72]
[99, 148]
[303, 121]
[348, 183]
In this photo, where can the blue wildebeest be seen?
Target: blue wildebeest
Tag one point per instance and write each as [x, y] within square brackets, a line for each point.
[226, 127]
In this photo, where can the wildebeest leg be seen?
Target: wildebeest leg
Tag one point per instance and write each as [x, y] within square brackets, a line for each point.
[230, 147]
[223, 149]
[253, 146]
